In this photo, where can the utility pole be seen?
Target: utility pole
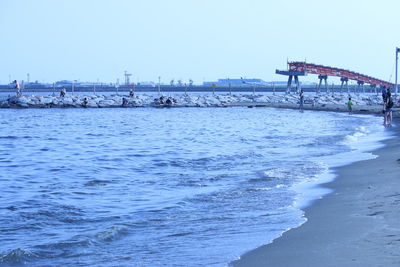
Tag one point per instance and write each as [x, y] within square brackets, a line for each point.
[230, 87]
[159, 82]
[117, 85]
[397, 59]
[127, 75]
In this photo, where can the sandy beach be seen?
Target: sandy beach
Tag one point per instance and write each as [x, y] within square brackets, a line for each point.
[355, 225]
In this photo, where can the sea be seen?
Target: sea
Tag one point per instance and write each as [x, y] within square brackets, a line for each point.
[164, 187]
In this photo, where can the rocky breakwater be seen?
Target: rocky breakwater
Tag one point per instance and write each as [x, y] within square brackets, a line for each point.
[367, 103]
[110, 101]
[75, 101]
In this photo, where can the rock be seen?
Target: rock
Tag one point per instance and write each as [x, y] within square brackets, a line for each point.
[97, 98]
[262, 99]
[22, 100]
[23, 105]
[106, 103]
[5, 104]
[92, 104]
[56, 102]
[116, 98]
[46, 100]
[67, 102]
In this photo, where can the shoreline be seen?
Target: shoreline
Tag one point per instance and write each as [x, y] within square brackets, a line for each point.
[354, 225]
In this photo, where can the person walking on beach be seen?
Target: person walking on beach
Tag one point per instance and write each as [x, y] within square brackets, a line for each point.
[388, 112]
[301, 100]
[350, 106]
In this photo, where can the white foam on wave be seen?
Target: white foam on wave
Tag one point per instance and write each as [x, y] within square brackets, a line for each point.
[367, 138]
[361, 142]
[17, 256]
[311, 190]
[114, 233]
[277, 173]
[269, 188]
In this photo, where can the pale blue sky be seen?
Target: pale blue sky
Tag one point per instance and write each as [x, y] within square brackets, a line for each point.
[198, 39]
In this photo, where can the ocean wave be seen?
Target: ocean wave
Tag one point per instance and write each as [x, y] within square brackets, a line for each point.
[54, 213]
[353, 137]
[98, 182]
[18, 256]
[190, 183]
[9, 137]
[208, 163]
[180, 234]
[267, 188]
[359, 132]
[70, 247]
[298, 171]
[112, 234]
[77, 241]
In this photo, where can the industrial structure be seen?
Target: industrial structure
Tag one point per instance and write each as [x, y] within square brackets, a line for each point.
[127, 78]
[296, 69]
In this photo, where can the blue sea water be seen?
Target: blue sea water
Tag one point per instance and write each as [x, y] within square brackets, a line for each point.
[163, 187]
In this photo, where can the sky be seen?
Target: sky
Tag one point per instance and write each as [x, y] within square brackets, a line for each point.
[202, 40]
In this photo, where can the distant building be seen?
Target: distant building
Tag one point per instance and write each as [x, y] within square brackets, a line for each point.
[146, 84]
[247, 83]
[36, 84]
[66, 83]
[235, 82]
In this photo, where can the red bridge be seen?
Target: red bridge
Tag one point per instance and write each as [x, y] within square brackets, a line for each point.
[302, 68]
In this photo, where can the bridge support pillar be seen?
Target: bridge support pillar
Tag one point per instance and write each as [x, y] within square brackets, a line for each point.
[360, 86]
[292, 74]
[344, 80]
[289, 84]
[296, 82]
[372, 87]
[325, 78]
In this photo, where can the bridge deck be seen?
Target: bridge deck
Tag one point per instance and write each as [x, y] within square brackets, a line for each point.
[330, 71]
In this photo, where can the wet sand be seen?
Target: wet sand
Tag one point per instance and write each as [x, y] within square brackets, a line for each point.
[358, 224]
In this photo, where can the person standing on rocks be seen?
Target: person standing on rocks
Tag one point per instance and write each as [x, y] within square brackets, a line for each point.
[63, 92]
[85, 102]
[124, 102]
[301, 100]
[17, 88]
